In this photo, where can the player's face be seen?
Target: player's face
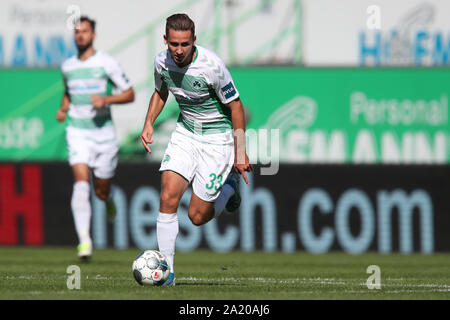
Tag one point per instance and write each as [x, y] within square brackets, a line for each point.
[84, 36]
[181, 46]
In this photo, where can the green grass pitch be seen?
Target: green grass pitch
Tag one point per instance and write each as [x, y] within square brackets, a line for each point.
[40, 273]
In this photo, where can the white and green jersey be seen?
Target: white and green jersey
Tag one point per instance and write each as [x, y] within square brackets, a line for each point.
[202, 88]
[94, 76]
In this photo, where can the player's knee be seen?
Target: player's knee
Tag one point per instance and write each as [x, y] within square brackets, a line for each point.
[169, 200]
[101, 193]
[196, 218]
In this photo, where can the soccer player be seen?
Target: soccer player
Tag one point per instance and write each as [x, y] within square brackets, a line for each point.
[89, 78]
[203, 149]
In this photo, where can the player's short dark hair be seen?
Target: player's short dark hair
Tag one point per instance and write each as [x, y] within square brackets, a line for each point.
[87, 19]
[180, 22]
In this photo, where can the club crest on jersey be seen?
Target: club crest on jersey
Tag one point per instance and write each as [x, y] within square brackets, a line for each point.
[196, 84]
[97, 73]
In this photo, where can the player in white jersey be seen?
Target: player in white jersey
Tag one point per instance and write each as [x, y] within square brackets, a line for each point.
[203, 150]
[89, 79]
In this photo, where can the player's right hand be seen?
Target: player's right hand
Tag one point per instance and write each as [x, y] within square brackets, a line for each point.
[146, 137]
[242, 167]
[60, 116]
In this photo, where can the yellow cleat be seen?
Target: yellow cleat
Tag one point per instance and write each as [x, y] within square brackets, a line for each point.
[84, 250]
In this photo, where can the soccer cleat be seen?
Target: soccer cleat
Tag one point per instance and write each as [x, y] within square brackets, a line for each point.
[235, 201]
[170, 282]
[84, 250]
[110, 210]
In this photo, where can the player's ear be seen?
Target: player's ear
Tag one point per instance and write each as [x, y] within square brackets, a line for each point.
[195, 39]
[165, 39]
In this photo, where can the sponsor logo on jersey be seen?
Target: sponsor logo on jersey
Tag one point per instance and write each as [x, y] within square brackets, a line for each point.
[228, 90]
[81, 87]
[125, 78]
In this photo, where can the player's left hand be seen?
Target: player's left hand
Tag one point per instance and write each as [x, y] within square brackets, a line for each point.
[241, 168]
[146, 137]
[98, 101]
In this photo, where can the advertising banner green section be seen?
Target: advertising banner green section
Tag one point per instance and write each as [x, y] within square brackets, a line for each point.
[294, 115]
[348, 115]
[28, 126]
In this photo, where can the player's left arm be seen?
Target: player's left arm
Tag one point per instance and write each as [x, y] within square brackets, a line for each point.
[227, 93]
[123, 97]
[241, 160]
[118, 77]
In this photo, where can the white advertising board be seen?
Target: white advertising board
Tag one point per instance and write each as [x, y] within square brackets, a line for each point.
[376, 33]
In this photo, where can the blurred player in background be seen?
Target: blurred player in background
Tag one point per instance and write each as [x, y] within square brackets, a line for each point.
[89, 78]
[202, 150]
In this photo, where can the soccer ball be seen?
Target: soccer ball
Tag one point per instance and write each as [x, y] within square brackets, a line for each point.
[150, 268]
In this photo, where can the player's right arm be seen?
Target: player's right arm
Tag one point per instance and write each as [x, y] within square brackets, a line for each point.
[157, 102]
[65, 102]
[64, 108]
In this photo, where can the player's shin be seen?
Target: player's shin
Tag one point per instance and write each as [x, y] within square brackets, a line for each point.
[166, 233]
[81, 209]
[219, 205]
[110, 205]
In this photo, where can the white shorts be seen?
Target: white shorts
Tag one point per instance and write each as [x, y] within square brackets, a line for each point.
[97, 148]
[205, 161]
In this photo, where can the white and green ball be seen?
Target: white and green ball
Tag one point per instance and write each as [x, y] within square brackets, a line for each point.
[150, 268]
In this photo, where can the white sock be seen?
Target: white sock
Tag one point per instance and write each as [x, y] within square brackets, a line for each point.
[225, 195]
[81, 210]
[166, 233]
